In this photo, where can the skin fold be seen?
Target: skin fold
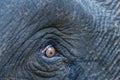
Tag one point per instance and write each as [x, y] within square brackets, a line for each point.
[85, 34]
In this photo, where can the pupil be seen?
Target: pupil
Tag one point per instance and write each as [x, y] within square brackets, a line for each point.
[51, 53]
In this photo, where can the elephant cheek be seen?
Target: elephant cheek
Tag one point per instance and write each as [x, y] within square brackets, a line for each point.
[76, 72]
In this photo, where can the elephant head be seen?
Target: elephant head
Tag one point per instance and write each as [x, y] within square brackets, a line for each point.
[59, 39]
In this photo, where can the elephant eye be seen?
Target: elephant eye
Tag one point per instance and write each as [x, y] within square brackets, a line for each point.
[49, 51]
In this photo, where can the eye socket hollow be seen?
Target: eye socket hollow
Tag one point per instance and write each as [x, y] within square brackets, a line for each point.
[49, 51]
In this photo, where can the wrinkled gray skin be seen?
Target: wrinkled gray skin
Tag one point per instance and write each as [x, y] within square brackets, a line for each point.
[86, 34]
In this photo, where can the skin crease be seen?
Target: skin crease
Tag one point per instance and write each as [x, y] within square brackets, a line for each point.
[85, 34]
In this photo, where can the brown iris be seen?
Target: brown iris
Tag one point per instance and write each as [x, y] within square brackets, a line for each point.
[49, 51]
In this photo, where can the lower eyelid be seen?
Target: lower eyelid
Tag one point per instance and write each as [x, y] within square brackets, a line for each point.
[53, 59]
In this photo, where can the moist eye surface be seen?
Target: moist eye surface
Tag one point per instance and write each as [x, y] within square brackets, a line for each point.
[49, 51]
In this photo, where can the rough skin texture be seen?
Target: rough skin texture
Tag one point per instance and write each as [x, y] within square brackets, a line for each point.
[86, 34]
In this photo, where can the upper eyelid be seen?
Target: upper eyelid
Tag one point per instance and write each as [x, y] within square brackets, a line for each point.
[49, 42]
